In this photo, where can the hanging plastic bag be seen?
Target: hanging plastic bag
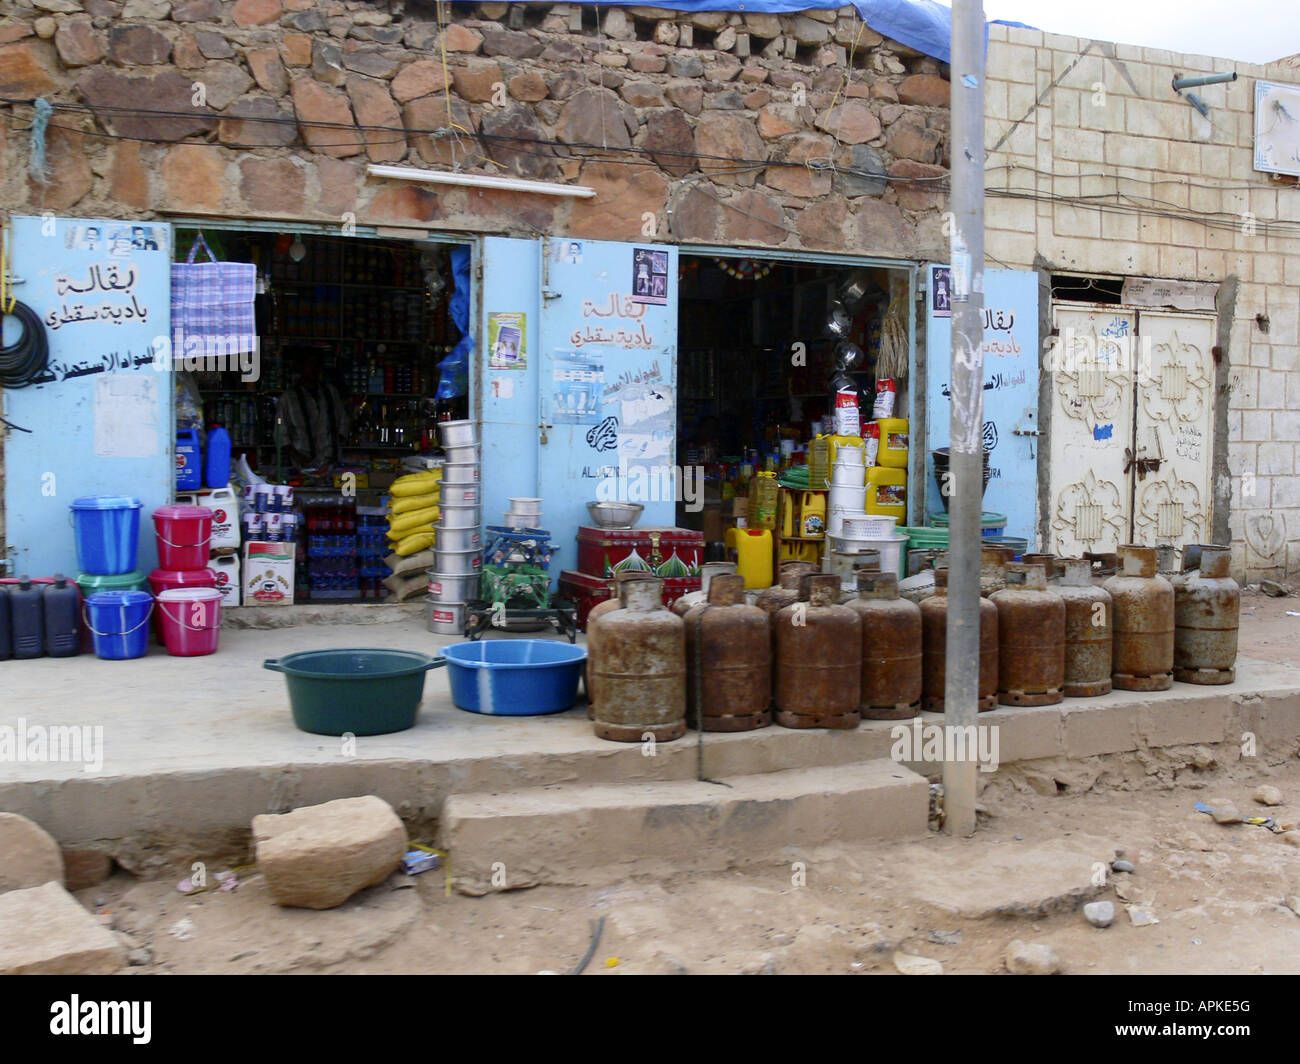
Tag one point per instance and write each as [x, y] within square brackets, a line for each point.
[453, 371]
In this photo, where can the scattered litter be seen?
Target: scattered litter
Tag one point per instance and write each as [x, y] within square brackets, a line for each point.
[945, 938]
[1196, 942]
[417, 861]
[547, 971]
[611, 962]
[1020, 838]
[1273, 588]
[183, 929]
[856, 965]
[1293, 613]
[544, 908]
[1142, 916]
[597, 927]
[1122, 866]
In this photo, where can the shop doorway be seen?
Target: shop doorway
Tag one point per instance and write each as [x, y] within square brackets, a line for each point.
[758, 341]
[343, 396]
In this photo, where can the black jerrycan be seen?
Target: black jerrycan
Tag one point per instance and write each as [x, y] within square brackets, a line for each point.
[62, 618]
[28, 619]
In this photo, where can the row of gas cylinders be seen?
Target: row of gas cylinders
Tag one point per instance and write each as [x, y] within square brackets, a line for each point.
[799, 656]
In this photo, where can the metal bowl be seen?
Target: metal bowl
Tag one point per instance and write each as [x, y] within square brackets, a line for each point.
[615, 514]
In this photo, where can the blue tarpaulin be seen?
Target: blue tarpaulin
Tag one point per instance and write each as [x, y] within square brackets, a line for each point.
[453, 371]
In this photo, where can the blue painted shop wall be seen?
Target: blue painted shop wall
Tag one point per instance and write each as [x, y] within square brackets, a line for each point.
[102, 422]
[508, 398]
[1010, 391]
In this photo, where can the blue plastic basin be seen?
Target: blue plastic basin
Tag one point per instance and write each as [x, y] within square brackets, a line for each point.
[514, 677]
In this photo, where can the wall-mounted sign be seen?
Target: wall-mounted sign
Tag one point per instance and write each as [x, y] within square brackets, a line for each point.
[1277, 128]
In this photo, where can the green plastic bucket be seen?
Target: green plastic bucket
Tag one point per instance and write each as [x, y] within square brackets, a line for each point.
[90, 583]
[921, 538]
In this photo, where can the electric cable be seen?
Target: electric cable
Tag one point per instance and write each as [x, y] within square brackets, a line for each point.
[27, 357]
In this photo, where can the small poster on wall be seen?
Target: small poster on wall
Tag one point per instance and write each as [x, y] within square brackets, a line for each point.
[506, 339]
[649, 276]
[577, 384]
[941, 291]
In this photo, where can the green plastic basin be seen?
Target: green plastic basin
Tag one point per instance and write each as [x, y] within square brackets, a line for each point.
[357, 690]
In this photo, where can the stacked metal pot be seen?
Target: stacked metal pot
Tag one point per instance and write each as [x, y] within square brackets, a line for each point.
[524, 513]
[458, 546]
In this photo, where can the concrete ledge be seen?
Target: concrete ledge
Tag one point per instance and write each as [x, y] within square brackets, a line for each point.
[602, 832]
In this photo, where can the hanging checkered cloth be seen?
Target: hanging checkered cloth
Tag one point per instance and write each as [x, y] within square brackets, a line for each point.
[212, 305]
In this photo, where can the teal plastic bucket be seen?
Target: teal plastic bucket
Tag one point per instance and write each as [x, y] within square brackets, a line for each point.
[119, 622]
[1016, 543]
[991, 524]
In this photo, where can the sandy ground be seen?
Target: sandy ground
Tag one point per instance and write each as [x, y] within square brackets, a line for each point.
[1227, 898]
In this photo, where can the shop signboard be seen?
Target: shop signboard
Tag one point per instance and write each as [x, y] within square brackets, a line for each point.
[1010, 420]
[607, 385]
[99, 420]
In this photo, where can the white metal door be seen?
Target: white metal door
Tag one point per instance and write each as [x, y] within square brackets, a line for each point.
[1175, 426]
[1091, 427]
[1131, 428]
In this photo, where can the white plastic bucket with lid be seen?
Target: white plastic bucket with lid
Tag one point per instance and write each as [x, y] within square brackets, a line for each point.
[890, 547]
[846, 475]
[191, 620]
[867, 526]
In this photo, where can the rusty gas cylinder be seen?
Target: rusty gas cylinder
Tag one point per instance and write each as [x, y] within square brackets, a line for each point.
[593, 631]
[1167, 557]
[687, 602]
[1031, 639]
[1192, 554]
[772, 600]
[1144, 622]
[818, 658]
[934, 642]
[1104, 566]
[1089, 632]
[728, 660]
[891, 649]
[1207, 611]
[1049, 562]
[640, 667]
[993, 562]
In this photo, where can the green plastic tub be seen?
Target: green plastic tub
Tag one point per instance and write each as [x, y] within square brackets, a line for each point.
[361, 690]
[90, 583]
[1016, 543]
[991, 524]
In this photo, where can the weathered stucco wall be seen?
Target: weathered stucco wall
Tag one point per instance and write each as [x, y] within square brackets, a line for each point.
[1075, 118]
[659, 89]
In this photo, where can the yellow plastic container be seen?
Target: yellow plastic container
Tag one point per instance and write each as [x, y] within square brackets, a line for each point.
[754, 556]
[796, 550]
[812, 515]
[887, 492]
[893, 442]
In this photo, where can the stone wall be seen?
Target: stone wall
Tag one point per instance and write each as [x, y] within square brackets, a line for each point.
[1075, 118]
[295, 97]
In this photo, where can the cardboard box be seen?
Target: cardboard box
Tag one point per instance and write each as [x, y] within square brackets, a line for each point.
[268, 573]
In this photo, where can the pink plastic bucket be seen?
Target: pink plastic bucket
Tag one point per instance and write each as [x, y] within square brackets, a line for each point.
[161, 580]
[191, 620]
[184, 536]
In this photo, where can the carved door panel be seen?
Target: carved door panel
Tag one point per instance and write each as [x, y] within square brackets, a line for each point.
[1174, 427]
[1089, 499]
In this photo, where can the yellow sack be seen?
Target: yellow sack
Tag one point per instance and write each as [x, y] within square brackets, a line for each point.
[410, 530]
[407, 523]
[415, 543]
[416, 484]
[413, 502]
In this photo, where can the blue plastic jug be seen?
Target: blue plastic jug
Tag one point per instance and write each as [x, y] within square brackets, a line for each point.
[217, 469]
[189, 460]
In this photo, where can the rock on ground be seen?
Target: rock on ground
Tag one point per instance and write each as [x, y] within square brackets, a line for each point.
[910, 964]
[29, 857]
[1100, 913]
[1032, 958]
[1267, 794]
[1225, 812]
[318, 856]
[44, 931]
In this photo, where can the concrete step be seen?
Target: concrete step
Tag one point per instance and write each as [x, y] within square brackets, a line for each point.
[603, 832]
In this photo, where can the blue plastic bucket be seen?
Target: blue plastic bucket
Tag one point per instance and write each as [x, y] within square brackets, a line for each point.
[107, 532]
[514, 677]
[1016, 543]
[119, 621]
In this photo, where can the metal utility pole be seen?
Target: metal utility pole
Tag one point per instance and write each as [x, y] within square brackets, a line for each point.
[965, 487]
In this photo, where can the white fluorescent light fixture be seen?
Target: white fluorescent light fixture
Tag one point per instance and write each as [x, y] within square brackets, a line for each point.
[505, 184]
